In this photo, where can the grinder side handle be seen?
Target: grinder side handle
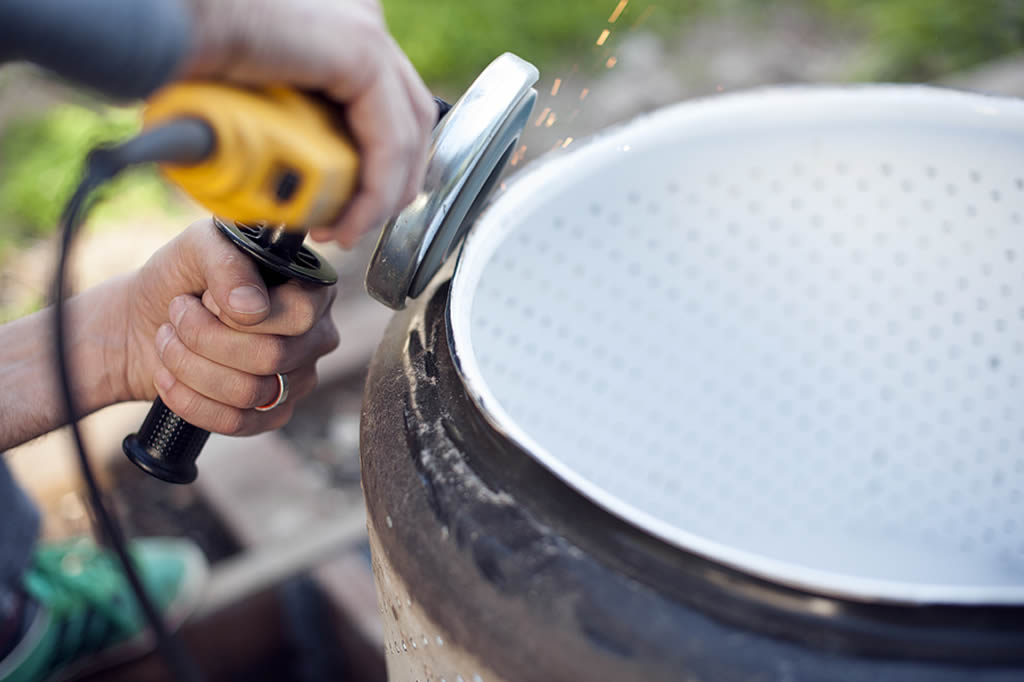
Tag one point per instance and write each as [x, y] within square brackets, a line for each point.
[167, 446]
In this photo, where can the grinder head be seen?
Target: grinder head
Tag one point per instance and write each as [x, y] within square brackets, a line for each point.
[468, 151]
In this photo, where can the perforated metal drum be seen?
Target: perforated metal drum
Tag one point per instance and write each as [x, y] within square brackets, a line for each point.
[733, 392]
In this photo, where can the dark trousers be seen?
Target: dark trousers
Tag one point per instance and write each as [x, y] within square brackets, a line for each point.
[19, 528]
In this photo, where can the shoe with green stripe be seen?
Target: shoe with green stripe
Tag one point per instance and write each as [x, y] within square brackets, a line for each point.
[87, 617]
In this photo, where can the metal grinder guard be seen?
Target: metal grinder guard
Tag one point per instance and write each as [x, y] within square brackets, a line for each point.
[469, 149]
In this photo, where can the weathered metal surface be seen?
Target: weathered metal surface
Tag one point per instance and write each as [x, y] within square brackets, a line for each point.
[525, 576]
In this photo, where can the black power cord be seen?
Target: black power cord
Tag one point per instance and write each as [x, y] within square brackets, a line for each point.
[183, 141]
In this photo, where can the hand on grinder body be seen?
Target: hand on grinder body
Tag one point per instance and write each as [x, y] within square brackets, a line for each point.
[207, 335]
[341, 48]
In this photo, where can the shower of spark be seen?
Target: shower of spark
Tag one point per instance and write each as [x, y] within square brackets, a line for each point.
[605, 42]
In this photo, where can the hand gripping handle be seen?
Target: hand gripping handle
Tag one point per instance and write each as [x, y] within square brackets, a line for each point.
[167, 446]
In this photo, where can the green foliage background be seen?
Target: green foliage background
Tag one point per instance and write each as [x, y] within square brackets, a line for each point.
[919, 40]
[42, 158]
[451, 40]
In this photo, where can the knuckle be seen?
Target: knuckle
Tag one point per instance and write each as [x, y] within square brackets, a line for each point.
[426, 112]
[231, 422]
[186, 403]
[175, 357]
[409, 142]
[303, 315]
[273, 354]
[200, 229]
[245, 392]
[398, 147]
[333, 339]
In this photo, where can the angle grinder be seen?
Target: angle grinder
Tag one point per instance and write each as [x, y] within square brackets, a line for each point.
[270, 163]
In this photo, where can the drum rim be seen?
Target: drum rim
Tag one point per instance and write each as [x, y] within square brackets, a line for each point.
[769, 105]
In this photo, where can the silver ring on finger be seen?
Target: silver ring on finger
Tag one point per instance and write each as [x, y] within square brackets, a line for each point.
[282, 394]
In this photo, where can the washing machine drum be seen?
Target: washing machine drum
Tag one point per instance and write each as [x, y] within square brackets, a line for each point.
[734, 390]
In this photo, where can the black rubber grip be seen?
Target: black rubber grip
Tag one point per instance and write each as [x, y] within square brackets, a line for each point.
[166, 446]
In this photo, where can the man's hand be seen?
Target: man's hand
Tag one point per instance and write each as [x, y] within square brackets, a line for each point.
[195, 325]
[206, 334]
[341, 48]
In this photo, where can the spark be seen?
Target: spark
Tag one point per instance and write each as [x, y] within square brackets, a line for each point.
[618, 10]
[584, 93]
[551, 120]
[612, 61]
[543, 115]
[568, 141]
[518, 156]
[603, 37]
[555, 88]
[558, 143]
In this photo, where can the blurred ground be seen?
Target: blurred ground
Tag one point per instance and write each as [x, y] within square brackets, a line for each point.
[585, 87]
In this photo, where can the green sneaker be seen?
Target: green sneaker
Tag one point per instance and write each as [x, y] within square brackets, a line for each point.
[87, 618]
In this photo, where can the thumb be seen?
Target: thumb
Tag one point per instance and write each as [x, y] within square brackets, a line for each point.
[233, 280]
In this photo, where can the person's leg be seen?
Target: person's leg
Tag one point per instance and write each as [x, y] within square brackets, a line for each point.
[66, 607]
[19, 528]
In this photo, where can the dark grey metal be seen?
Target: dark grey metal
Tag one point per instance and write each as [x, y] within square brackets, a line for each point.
[279, 252]
[470, 147]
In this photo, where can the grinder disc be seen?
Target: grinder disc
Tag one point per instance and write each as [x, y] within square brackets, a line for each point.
[468, 151]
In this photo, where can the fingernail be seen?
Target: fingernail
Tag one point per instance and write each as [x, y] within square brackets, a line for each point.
[177, 310]
[163, 337]
[248, 299]
[163, 380]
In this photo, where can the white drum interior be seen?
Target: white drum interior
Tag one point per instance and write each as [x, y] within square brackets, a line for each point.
[783, 329]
